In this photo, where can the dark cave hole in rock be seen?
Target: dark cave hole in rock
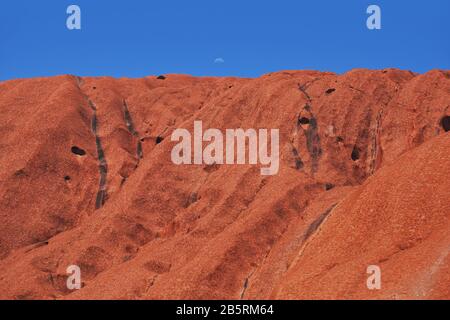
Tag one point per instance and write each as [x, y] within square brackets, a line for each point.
[67, 178]
[445, 123]
[329, 186]
[161, 78]
[355, 153]
[303, 120]
[299, 164]
[159, 139]
[211, 167]
[331, 90]
[93, 88]
[20, 173]
[78, 151]
[339, 139]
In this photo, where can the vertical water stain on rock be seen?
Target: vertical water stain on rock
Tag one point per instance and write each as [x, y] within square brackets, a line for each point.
[298, 161]
[316, 223]
[313, 144]
[376, 150]
[310, 129]
[103, 168]
[130, 126]
[103, 165]
[303, 88]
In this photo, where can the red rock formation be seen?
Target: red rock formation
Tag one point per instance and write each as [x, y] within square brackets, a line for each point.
[86, 178]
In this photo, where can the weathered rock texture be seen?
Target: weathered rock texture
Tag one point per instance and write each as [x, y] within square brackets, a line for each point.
[86, 178]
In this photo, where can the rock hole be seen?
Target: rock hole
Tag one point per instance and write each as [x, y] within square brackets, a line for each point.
[355, 153]
[159, 139]
[330, 91]
[445, 123]
[20, 173]
[67, 178]
[329, 186]
[303, 120]
[93, 88]
[78, 151]
[211, 167]
[339, 139]
[161, 77]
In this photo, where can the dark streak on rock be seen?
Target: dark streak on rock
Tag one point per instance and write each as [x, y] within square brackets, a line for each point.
[298, 161]
[302, 88]
[315, 225]
[311, 133]
[246, 283]
[313, 143]
[130, 125]
[376, 150]
[244, 288]
[103, 166]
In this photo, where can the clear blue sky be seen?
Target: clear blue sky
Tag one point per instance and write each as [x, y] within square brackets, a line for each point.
[136, 38]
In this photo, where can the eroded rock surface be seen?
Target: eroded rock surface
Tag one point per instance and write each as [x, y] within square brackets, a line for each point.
[86, 179]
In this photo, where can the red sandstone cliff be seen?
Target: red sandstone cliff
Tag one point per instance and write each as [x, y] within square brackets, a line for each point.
[86, 178]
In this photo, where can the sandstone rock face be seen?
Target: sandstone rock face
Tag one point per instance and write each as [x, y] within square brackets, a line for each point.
[86, 179]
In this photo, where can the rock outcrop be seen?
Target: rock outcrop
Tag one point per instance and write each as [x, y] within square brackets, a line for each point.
[86, 179]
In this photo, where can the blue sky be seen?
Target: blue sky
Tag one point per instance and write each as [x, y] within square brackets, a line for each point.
[136, 38]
